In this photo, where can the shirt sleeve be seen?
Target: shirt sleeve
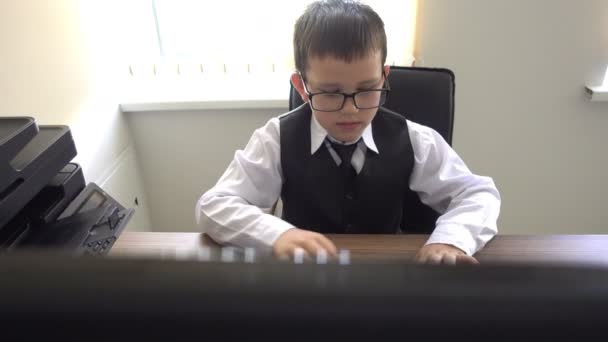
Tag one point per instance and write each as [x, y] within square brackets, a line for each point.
[469, 203]
[237, 210]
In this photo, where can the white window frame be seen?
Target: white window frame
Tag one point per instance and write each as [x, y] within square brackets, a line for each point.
[161, 81]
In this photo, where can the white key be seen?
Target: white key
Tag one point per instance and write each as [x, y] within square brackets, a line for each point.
[344, 257]
[249, 255]
[298, 256]
[321, 256]
[204, 254]
[183, 253]
[227, 254]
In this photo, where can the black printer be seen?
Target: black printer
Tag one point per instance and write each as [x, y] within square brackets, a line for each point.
[44, 200]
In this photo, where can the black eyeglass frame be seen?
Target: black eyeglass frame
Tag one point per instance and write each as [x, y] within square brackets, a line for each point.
[385, 89]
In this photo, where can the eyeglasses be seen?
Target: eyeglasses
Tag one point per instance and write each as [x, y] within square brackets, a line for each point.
[333, 102]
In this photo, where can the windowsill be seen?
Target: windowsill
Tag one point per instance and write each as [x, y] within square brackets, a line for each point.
[145, 95]
[200, 104]
[597, 94]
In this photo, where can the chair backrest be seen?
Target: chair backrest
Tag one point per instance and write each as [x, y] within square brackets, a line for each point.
[424, 96]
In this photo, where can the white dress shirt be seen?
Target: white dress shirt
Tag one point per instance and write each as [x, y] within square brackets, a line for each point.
[237, 210]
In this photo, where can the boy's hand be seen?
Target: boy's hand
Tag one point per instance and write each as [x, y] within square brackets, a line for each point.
[310, 242]
[439, 253]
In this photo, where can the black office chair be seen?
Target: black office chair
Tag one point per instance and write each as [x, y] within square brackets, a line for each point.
[425, 96]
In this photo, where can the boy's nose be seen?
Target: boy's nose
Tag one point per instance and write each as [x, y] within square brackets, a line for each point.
[349, 106]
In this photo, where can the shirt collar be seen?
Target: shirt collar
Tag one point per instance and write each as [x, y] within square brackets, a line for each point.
[318, 135]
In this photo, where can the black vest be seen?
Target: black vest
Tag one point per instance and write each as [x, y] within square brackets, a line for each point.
[315, 194]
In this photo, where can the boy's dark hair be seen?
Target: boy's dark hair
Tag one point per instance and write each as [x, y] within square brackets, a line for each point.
[344, 29]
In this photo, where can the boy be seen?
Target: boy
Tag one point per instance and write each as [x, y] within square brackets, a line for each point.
[340, 161]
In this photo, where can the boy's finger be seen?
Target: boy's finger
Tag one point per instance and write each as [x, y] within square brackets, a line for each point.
[283, 255]
[448, 259]
[286, 253]
[327, 245]
[421, 258]
[465, 259]
[435, 259]
[312, 247]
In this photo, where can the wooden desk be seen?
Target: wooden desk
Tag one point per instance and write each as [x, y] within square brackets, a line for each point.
[576, 249]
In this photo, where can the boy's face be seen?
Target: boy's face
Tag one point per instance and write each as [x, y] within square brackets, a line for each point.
[329, 74]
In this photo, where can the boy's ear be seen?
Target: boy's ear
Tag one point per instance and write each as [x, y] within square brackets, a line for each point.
[298, 83]
[387, 69]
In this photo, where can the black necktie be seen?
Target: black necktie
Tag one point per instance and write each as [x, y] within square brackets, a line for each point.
[346, 153]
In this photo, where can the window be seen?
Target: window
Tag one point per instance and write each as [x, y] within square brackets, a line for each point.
[248, 39]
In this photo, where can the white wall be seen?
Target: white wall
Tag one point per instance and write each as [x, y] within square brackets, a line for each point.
[59, 62]
[521, 113]
[184, 153]
[126, 185]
